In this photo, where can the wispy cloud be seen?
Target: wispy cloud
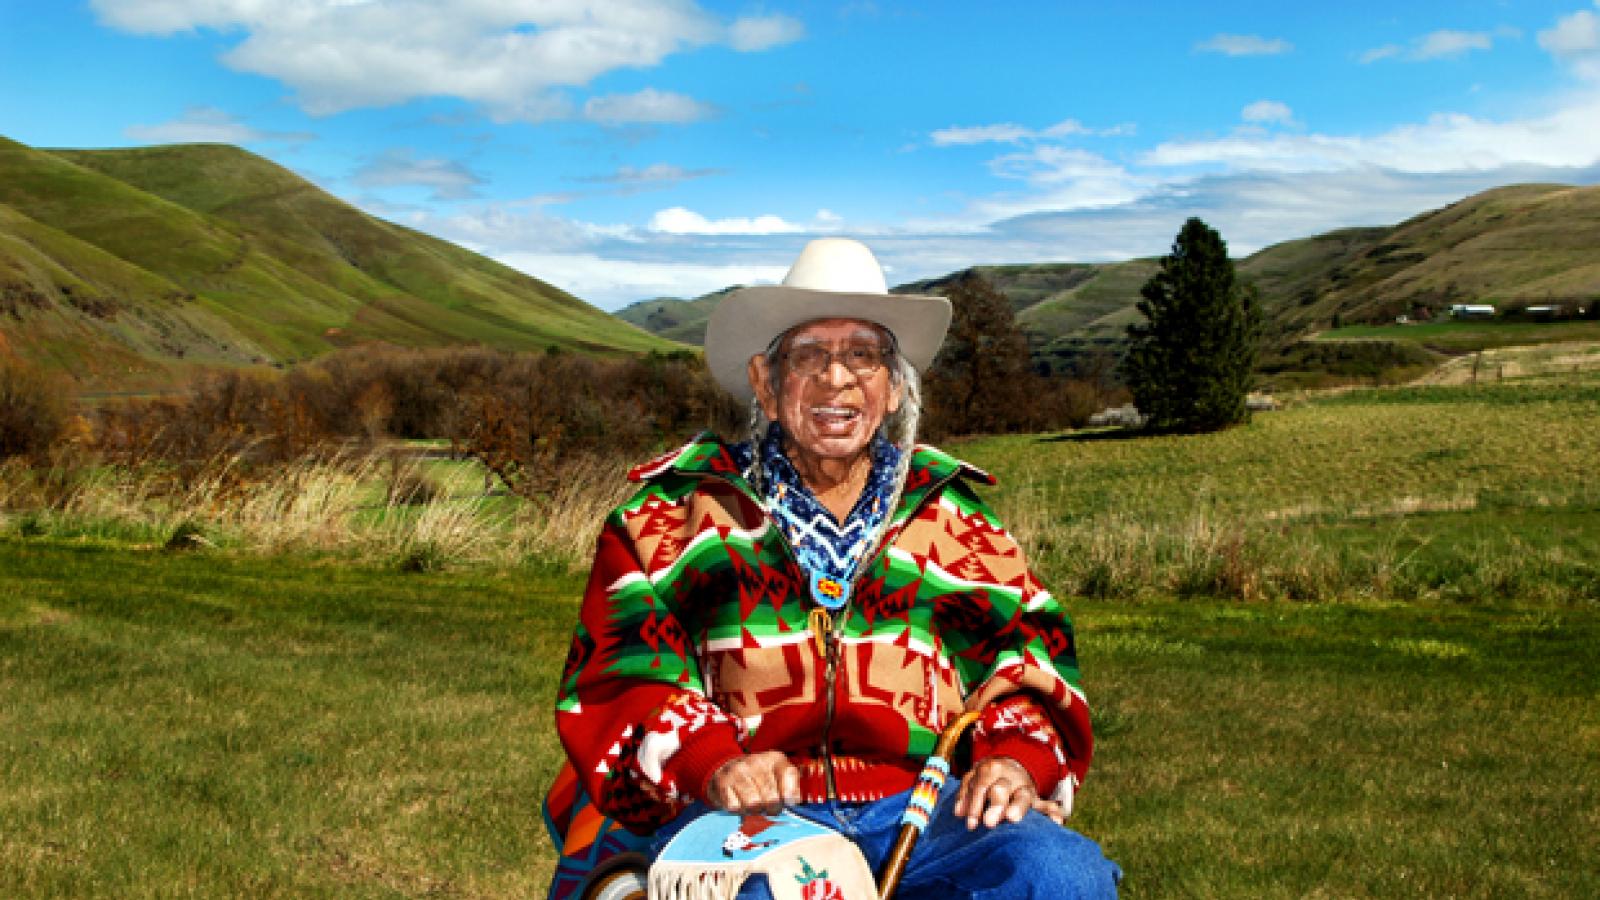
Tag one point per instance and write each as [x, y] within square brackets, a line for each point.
[1244, 45]
[614, 282]
[1012, 133]
[648, 106]
[447, 179]
[752, 34]
[1445, 43]
[1387, 51]
[515, 60]
[655, 175]
[1563, 137]
[209, 125]
[1268, 111]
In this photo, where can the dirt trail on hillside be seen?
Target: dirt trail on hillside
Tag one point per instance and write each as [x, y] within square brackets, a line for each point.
[1517, 362]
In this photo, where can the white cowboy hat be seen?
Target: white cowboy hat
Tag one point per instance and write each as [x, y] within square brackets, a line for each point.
[834, 278]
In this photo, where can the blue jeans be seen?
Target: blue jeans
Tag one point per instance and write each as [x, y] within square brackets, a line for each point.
[1034, 859]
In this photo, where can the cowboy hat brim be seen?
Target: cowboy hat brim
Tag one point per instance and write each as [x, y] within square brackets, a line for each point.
[746, 321]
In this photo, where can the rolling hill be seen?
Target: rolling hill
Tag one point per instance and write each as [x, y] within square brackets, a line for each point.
[679, 320]
[125, 268]
[1511, 246]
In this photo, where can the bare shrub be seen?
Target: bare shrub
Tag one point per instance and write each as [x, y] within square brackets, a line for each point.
[33, 409]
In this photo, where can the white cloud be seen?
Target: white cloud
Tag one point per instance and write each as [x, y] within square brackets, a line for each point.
[613, 282]
[1268, 111]
[1059, 178]
[448, 179]
[1052, 164]
[678, 220]
[510, 57]
[1012, 133]
[1573, 35]
[164, 17]
[1387, 51]
[1446, 142]
[1445, 43]
[755, 33]
[1244, 45]
[208, 125]
[956, 135]
[1562, 138]
[648, 106]
[653, 175]
[1070, 127]
[1575, 40]
[1259, 187]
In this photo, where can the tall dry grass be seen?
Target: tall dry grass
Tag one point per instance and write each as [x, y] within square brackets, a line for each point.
[344, 504]
[422, 516]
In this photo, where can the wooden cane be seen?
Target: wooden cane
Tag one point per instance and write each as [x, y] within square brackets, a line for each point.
[923, 799]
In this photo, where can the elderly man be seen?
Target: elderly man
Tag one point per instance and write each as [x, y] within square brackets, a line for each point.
[790, 621]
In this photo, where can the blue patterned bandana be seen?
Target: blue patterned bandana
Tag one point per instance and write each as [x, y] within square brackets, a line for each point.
[829, 551]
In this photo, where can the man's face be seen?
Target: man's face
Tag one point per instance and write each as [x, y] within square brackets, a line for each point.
[834, 412]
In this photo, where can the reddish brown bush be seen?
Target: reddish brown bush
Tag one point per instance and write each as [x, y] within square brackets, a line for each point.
[33, 409]
[523, 415]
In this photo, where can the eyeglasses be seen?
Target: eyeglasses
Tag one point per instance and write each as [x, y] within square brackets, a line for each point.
[809, 360]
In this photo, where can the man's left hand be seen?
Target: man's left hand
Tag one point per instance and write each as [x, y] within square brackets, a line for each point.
[997, 787]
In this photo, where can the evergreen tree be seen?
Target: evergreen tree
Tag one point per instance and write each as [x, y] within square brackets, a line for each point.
[980, 380]
[1192, 361]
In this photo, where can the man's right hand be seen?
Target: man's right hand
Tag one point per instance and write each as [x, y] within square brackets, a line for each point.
[755, 783]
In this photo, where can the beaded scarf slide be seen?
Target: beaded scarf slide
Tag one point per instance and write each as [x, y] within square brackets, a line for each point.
[829, 551]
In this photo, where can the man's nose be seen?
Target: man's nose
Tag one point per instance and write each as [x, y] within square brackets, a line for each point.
[836, 373]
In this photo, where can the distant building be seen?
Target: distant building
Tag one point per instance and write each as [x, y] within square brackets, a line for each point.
[1548, 311]
[1126, 415]
[1471, 311]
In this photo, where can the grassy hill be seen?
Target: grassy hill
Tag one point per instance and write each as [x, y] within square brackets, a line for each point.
[679, 320]
[124, 267]
[1511, 246]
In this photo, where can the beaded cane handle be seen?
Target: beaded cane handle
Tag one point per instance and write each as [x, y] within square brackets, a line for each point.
[923, 799]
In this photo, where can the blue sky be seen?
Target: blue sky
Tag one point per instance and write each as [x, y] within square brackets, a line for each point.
[635, 148]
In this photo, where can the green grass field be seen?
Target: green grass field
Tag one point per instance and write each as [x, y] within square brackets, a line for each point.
[182, 725]
[1467, 493]
[212, 727]
[1351, 649]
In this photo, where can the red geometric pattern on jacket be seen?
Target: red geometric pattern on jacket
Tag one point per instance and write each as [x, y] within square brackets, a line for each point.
[1018, 727]
[642, 646]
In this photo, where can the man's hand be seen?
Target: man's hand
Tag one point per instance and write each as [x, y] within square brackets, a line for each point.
[755, 783]
[997, 787]
[1051, 810]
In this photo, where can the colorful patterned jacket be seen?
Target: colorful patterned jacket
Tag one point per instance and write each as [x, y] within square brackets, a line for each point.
[696, 644]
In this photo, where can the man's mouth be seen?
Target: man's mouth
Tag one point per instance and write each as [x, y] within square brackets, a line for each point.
[830, 417]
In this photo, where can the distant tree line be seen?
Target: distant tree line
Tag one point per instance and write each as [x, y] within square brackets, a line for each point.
[522, 414]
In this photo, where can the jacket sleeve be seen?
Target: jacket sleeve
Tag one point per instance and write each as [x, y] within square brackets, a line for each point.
[1019, 727]
[632, 711]
[1013, 646]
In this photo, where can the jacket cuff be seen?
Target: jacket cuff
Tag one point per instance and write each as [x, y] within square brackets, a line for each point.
[703, 752]
[1036, 758]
